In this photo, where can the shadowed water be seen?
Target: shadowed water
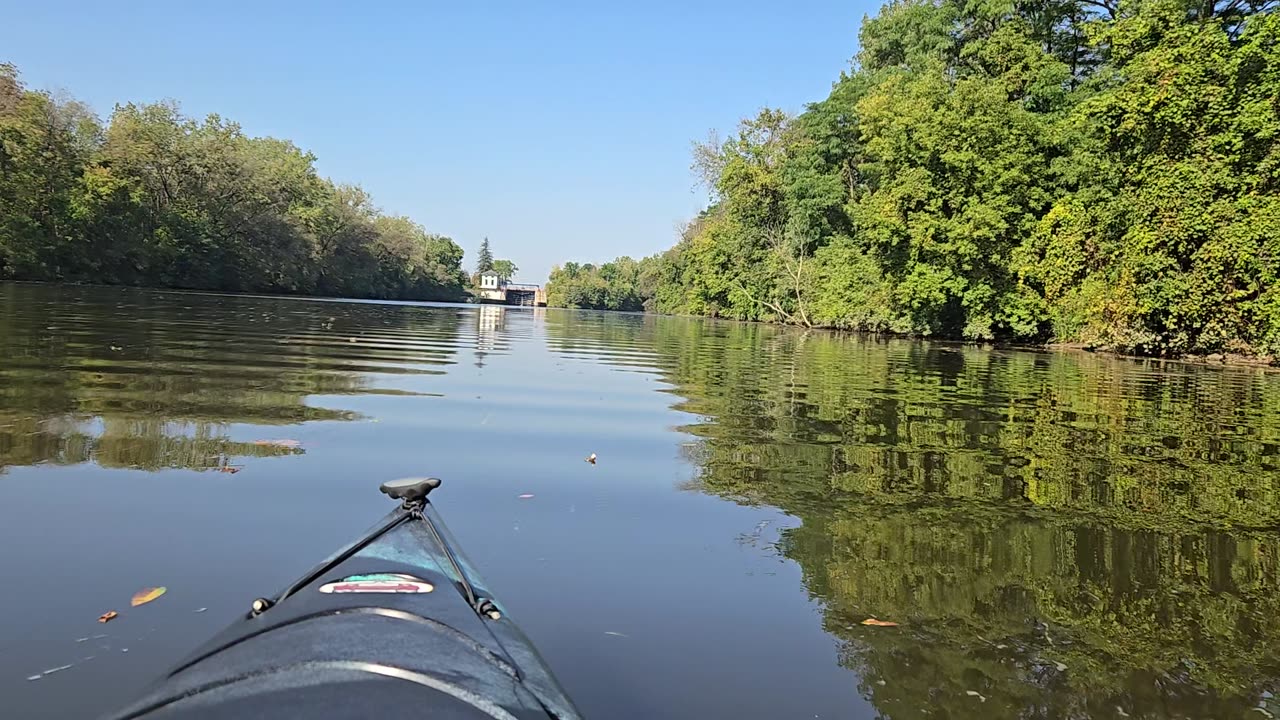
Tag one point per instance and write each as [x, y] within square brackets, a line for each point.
[1058, 535]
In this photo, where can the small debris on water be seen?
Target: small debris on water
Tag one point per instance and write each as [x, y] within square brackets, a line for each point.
[1120, 711]
[879, 623]
[200, 610]
[233, 469]
[1061, 667]
[526, 496]
[50, 671]
[124, 649]
[591, 458]
[975, 693]
[90, 637]
[615, 634]
[108, 616]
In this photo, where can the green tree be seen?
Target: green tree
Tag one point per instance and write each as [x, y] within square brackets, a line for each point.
[484, 258]
[1169, 244]
[156, 198]
[621, 284]
[1070, 170]
[505, 268]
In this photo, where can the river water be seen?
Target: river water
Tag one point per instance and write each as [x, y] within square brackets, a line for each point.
[1057, 535]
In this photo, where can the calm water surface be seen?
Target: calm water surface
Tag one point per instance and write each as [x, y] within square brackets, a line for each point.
[1058, 535]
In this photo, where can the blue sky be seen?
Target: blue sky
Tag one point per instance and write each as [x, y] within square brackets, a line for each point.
[559, 130]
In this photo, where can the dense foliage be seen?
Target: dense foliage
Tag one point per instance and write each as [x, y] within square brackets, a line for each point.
[1073, 170]
[623, 284]
[155, 198]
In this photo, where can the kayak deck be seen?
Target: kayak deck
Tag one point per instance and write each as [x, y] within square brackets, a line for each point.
[395, 625]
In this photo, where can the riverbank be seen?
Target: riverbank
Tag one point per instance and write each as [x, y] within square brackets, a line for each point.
[1229, 358]
[1236, 358]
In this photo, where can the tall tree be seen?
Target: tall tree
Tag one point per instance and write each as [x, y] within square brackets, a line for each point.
[484, 258]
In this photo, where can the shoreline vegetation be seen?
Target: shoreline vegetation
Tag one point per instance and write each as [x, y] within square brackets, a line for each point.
[1058, 173]
[155, 199]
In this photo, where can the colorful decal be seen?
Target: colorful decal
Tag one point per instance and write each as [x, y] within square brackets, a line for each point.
[379, 583]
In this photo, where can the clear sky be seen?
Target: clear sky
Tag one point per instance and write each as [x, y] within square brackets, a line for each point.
[560, 130]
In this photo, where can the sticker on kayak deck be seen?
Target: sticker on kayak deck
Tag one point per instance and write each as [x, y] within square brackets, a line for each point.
[380, 583]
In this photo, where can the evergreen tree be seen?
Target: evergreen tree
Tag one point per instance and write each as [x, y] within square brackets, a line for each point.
[484, 259]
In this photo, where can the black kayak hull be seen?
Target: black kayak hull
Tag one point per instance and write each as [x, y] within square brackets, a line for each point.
[396, 625]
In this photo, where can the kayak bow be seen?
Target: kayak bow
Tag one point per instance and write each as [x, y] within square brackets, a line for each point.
[397, 624]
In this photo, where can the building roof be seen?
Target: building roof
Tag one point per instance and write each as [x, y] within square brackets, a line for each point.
[488, 272]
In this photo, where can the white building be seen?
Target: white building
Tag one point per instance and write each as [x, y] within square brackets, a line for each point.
[493, 286]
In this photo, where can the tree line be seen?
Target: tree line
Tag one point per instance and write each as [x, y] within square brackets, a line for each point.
[155, 198]
[1093, 171]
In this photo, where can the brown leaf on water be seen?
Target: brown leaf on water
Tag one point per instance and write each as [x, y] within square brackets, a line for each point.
[146, 595]
[108, 616]
[282, 442]
[879, 623]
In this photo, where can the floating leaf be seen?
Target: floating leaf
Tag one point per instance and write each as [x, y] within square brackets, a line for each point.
[146, 595]
[108, 616]
[879, 623]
